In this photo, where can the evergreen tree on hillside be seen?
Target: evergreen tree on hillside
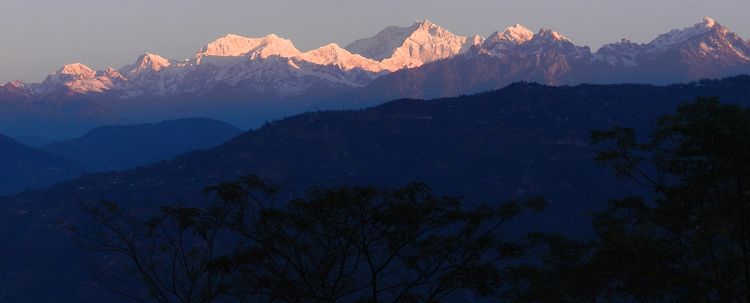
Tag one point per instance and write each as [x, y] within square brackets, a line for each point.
[691, 243]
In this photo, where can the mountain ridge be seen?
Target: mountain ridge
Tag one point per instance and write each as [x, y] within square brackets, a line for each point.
[248, 81]
[392, 49]
[524, 140]
[23, 167]
[118, 147]
[705, 50]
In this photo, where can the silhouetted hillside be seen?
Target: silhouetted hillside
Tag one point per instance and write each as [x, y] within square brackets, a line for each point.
[523, 140]
[121, 147]
[22, 167]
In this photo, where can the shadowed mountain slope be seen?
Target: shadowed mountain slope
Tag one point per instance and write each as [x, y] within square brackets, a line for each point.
[523, 140]
[22, 167]
[121, 147]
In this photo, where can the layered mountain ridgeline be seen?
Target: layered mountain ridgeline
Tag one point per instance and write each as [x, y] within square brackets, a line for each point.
[121, 147]
[22, 167]
[524, 140]
[104, 149]
[248, 81]
[243, 80]
[705, 50]
[502, 135]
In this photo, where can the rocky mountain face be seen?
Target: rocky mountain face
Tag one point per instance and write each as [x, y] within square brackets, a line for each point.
[248, 81]
[15, 90]
[705, 50]
[269, 65]
[409, 47]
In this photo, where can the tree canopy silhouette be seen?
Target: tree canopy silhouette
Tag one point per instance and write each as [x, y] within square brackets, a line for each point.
[691, 243]
[347, 244]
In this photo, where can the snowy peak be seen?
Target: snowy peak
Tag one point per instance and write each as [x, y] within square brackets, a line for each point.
[328, 51]
[146, 63]
[425, 27]
[622, 46]
[18, 84]
[517, 34]
[706, 41]
[112, 74]
[623, 52]
[551, 43]
[333, 54]
[14, 89]
[550, 35]
[272, 65]
[473, 41]
[77, 78]
[229, 45]
[547, 39]
[425, 24]
[428, 43]
[235, 46]
[499, 43]
[708, 22]
[675, 38]
[384, 43]
[518, 41]
[413, 46]
[152, 62]
[76, 70]
[381, 45]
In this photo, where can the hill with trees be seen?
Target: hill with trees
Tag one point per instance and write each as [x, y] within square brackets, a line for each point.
[521, 141]
[23, 167]
[110, 148]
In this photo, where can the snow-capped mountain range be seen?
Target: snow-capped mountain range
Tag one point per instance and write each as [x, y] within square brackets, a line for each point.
[704, 50]
[706, 40]
[269, 65]
[273, 65]
[421, 60]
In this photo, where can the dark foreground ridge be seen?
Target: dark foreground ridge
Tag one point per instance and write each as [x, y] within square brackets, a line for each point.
[523, 140]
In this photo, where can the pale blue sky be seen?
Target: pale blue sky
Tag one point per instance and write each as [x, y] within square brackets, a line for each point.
[39, 36]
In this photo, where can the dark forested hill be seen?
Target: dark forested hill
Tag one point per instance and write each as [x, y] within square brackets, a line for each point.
[525, 139]
[22, 167]
[121, 147]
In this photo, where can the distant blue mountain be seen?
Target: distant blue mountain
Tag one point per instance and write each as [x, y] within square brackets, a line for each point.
[23, 167]
[123, 147]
